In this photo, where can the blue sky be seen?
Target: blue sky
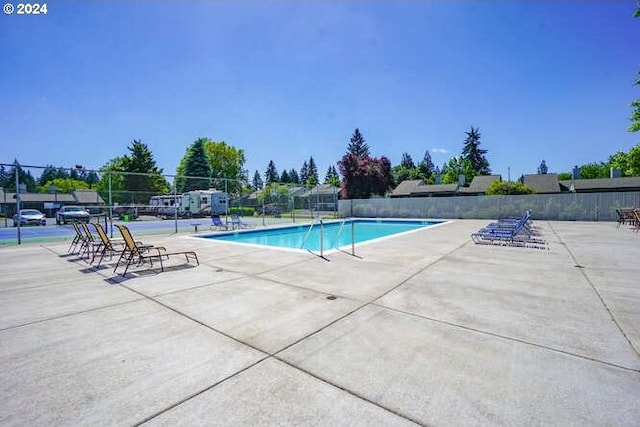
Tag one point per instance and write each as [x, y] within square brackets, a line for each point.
[288, 80]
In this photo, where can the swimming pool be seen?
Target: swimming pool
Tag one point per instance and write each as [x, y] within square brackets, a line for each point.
[335, 234]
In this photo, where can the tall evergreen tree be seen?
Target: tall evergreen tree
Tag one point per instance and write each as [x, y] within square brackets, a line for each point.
[284, 178]
[271, 174]
[304, 173]
[407, 161]
[472, 152]
[312, 173]
[542, 169]
[257, 181]
[49, 174]
[357, 145]
[4, 177]
[24, 177]
[428, 166]
[195, 168]
[294, 178]
[92, 178]
[332, 177]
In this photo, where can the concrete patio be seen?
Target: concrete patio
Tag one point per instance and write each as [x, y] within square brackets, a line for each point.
[426, 328]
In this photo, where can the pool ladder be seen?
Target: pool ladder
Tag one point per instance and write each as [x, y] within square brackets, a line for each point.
[335, 241]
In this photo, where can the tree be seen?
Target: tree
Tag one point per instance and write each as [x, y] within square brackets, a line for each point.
[332, 177]
[284, 178]
[25, 178]
[143, 176]
[312, 173]
[4, 177]
[357, 145]
[504, 188]
[63, 185]
[457, 166]
[562, 176]
[50, 173]
[628, 163]
[194, 170]
[407, 161]
[542, 169]
[257, 181]
[275, 193]
[594, 170]
[363, 177]
[226, 162]
[92, 178]
[304, 173]
[426, 167]
[271, 175]
[112, 182]
[402, 173]
[474, 154]
[293, 176]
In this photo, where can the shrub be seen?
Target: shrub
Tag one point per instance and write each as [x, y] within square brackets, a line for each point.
[242, 210]
[504, 188]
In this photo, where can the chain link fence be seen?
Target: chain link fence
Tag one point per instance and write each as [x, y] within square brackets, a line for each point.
[149, 203]
[165, 204]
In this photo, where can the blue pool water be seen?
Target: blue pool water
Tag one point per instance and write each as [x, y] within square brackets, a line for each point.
[334, 234]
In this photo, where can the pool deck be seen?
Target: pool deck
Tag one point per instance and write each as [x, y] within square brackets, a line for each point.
[427, 328]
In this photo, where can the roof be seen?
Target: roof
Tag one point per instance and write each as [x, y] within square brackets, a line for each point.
[87, 196]
[406, 187]
[626, 183]
[77, 197]
[543, 183]
[480, 184]
[434, 189]
[321, 189]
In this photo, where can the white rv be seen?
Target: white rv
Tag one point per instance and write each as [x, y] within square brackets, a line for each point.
[199, 203]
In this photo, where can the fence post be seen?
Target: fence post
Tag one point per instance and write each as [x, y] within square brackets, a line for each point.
[321, 239]
[110, 204]
[353, 235]
[17, 165]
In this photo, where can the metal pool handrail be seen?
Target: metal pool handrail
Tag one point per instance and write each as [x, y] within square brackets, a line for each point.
[306, 236]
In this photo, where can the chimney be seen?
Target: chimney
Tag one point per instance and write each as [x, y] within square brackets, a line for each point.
[576, 172]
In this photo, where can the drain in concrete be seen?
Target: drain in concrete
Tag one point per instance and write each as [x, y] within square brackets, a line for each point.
[332, 297]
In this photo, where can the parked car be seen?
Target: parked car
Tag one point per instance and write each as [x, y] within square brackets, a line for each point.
[29, 217]
[72, 213]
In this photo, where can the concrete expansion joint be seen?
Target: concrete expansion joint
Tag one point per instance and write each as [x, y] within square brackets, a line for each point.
[595, 289]
[508, 338]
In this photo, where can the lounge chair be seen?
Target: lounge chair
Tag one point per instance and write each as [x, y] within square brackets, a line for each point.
[216, 222]
[236, 222]
[636, 220]
[139, 255]
[83, 240]
[90, 243]
[78, 239]
[625, 216]
[107, 245]
[512, 233]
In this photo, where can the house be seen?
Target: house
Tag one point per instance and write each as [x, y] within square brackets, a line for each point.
[631, 183]
[322, 197]
[417, 188]
[543, 183]
[49, 203]
[479, 185]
